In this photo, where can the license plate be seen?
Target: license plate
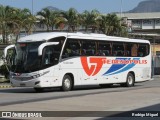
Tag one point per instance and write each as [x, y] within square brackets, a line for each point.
[22, 85]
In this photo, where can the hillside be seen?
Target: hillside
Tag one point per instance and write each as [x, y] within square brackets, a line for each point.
[53, 8]
[147, 6]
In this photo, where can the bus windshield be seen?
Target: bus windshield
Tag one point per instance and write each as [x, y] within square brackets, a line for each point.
[25, 58]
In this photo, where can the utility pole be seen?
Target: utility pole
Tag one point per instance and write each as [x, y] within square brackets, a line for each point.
[121, 17]
[32, 7]
[121, 9]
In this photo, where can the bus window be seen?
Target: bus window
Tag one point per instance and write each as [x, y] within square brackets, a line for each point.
[58, 39]
[143, 50]
[50, 56]
[88, 48]
[147, 49]
[47, 56]
[118, 49]
[134, 50]
[128, 47]
[104, 49]
[72, 48]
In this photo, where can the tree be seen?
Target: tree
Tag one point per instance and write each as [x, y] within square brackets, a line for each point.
[71, 19]
[29, 20]
[103, 24]
[51, 18]
[13, 20]
[110, 24]
[45, 14]
[6, 21]
[56, 19]
[25, 20]
[90, 20]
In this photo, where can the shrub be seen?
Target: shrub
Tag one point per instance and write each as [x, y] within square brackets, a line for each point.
[4, 71]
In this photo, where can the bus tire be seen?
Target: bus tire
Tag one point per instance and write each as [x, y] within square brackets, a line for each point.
[129, 80]
[67, 83]
[39, 89]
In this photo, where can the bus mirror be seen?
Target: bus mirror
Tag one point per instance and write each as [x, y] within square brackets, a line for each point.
[6, 50]
[40, 49]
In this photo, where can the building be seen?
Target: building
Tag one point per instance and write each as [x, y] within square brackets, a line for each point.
[145, 25]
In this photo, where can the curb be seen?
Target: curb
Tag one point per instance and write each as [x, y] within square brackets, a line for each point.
[5, 86]
[156, 76]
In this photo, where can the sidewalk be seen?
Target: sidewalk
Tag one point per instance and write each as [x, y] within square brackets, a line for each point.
[156, 76]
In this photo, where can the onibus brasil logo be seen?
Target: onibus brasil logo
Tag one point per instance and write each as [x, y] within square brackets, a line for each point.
[92, 65]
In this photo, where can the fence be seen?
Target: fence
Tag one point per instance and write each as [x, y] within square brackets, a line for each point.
[156, 65]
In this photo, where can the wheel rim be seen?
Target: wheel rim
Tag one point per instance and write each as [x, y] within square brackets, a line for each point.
[130, 80]
[67, 83]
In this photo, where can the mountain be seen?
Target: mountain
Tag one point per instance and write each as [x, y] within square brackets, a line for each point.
[53, 8]
[147, 6]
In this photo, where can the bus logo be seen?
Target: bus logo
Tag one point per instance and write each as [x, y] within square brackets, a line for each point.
[92, 65]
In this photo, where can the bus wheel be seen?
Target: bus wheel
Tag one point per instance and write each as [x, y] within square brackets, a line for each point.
[129, 80]
[39, 89]
[67, 83]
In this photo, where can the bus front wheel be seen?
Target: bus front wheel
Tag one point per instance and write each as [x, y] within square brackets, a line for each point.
[66, 83]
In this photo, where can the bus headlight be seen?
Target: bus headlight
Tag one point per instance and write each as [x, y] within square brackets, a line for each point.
[39, 75]
[36, 76]
[26, 78]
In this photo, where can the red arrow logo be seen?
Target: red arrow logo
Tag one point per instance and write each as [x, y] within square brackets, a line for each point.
[94, 67]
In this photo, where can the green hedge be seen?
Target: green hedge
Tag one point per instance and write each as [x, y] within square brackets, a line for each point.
[4, 71]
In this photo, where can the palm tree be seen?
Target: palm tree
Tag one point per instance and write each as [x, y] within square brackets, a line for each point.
[60, 22]
[71, 19]
[56, 19]
[45, 14]
[51, 18]
[110, 24]
[25, 20]
[114, 25]
[12, 20]
[90, 20]
[103, 24]
[28, 20]
[6, 21]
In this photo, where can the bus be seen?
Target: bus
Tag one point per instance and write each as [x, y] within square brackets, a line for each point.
[66, 60]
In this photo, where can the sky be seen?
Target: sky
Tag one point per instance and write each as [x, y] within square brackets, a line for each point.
[103, 6]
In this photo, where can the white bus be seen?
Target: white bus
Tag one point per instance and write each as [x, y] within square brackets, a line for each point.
[65, 60]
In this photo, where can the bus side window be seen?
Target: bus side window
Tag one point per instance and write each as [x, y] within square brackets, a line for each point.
[72, 48]
[134, 50]
[118, 49]
[57, 48]
[88, 48]
[147, 49]
[128, 49]
[104, 49]
[142, 50]
[47, 58]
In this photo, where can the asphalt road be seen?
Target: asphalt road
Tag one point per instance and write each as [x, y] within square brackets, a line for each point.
[89, 99]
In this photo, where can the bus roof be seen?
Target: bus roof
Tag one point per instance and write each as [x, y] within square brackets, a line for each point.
[93, 36]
